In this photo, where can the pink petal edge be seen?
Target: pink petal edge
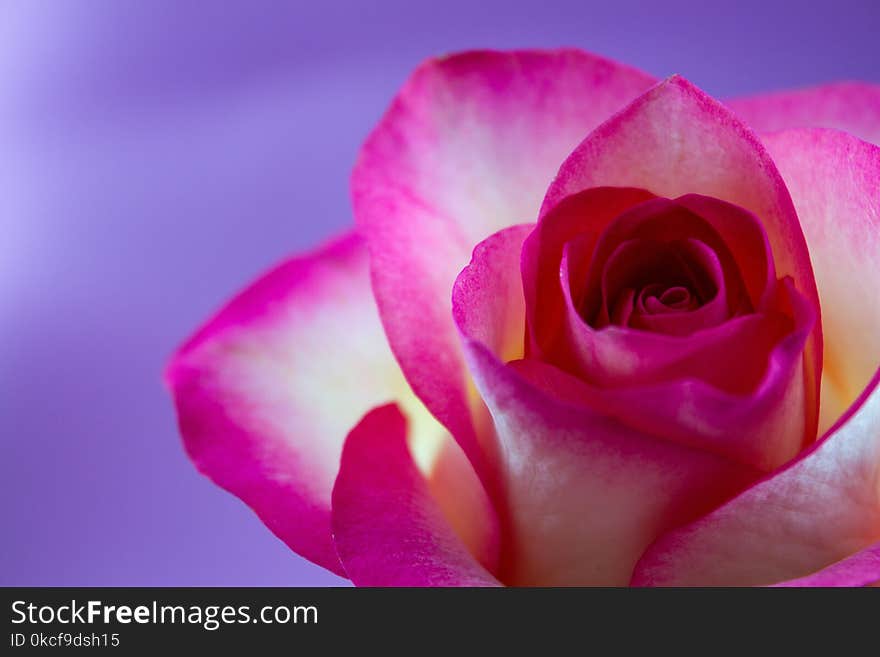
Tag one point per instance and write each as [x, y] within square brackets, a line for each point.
[387, 528]
[267, 390]
[853, 107]
[861, 569]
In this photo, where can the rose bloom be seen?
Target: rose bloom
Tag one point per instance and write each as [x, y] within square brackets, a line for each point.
[589, 329]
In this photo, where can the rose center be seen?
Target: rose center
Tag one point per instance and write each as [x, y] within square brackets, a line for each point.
[645, 280]
[656, 298]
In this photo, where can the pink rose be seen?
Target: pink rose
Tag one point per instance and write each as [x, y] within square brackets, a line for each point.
[632, 341]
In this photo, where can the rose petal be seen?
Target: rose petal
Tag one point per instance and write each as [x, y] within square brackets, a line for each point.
[834, 180]
[815, 511]
[736, 390]
[620, 487]
[388, 528]
[268, 389]
[468, 147]
[850, 106]
[861, 569]
[543, 250]
[676, 140]
[585, 493]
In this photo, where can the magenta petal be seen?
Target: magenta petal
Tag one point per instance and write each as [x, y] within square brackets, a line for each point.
[815, 511]
[545, 306]
[268, 389]
[861, 569]
[853, 107]
[387, 527]
[763, 429]
[467, 147]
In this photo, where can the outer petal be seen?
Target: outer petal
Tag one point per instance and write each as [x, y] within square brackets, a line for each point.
[468, 147]
[387, 527]
[834, 180]
[850, 106]
[584, 494]
[676, 140]
[816, 511]
[268, 389]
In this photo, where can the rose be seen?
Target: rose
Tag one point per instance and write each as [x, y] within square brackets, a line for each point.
[671, 378]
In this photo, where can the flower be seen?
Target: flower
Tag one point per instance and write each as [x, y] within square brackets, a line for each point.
[590, 329]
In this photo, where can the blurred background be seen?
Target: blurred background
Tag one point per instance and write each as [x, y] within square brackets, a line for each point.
[156, 155]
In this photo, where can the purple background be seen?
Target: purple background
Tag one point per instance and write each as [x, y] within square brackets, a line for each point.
[155, 156]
